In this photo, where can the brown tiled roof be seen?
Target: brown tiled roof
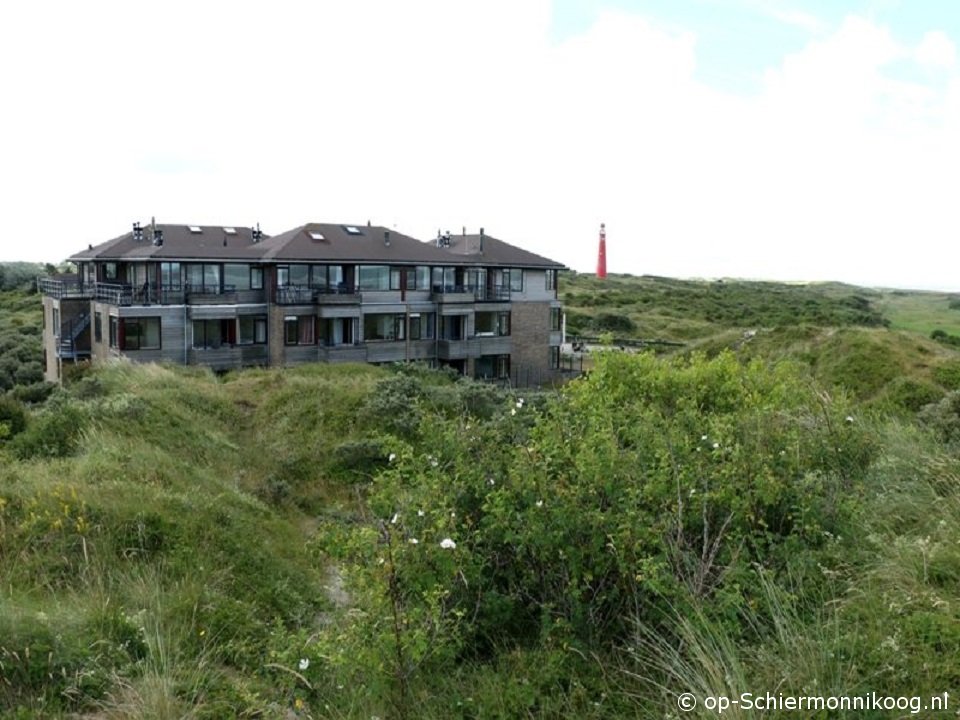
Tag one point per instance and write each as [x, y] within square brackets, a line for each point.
[179, 243]
[367, 244]
[496, 252]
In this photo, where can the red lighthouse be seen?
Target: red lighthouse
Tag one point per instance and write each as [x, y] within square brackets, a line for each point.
[602, 255]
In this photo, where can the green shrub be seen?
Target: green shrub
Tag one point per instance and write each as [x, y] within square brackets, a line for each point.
[53, 432]
[13, 417]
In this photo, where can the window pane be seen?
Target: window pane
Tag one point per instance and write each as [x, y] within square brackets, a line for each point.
[306, 330]
[195, 276]
[260, 330]
[211, 278]
[423, 277]
[300, 275]
[245, 335]
[516, 280]
[291, 332]
[150, 333]
[374, 277]
[256, 278]
[237, 276]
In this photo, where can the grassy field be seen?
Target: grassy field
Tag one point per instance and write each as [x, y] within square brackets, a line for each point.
[771, 506]
[920, 312]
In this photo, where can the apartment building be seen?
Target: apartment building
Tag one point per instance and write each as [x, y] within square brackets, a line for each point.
[231, 297]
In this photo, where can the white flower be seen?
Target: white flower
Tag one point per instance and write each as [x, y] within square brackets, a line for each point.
[433, 462]
[453, 514]
[491, 482]
[393, 520]
[448, 544]
[520, 402]
[393, 456]
[539, 503]
[413, 541]
[420, 513]
[703, 437]
[716, 445]
[513, 411]
[520, 405]
[850, 418]
[304, 663]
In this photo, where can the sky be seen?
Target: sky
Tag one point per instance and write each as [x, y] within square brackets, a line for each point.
[771, 139]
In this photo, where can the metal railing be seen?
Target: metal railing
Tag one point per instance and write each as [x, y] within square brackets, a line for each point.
[309, 294]
[63, 288]
[481, 293]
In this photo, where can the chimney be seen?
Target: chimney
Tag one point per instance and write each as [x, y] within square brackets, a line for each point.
[158, 238]
[137, 232]
[256, 233]
[386, 238]
[481, 241]
[602, 254]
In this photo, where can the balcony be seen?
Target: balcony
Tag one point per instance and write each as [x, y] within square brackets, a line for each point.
[124, 294]
[458, 349]
[64, 288]
[306, 295]
[227, 357]
[470, 293]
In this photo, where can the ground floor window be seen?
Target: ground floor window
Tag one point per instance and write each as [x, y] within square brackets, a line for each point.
[384, 326]
[140, 333]
[298, 330]
[114, 332]
[493, 367]
[337, 331]
[98, 327]
[422, 326]
[252, 330]
[211, 334]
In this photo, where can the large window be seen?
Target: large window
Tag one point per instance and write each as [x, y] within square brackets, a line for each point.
[418, 278]
[141, 333]
[298, 330]
[236, 276]
[214, 333]
[422, 326]
[256, 278]
[252, 330]
[384, 327]
[337, 331]
[492, 323]
[170, 275]
[98, 327]
[551, 279]
[516, 280]
[555, 357]
[451, 327]
[378, 277]
[110, 272]
[444, 279]
[204, 278]
[555, 319]
[114, 332]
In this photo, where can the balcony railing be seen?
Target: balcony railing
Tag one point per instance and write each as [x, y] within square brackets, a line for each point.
[467, 293]
[308, 295]
[64, 288]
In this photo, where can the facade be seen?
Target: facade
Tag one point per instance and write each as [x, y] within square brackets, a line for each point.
[232, 297]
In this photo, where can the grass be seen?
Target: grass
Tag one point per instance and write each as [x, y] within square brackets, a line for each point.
[920, 312]
[157, 558]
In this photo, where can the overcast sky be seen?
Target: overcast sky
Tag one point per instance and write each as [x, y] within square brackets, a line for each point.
[800, 140]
